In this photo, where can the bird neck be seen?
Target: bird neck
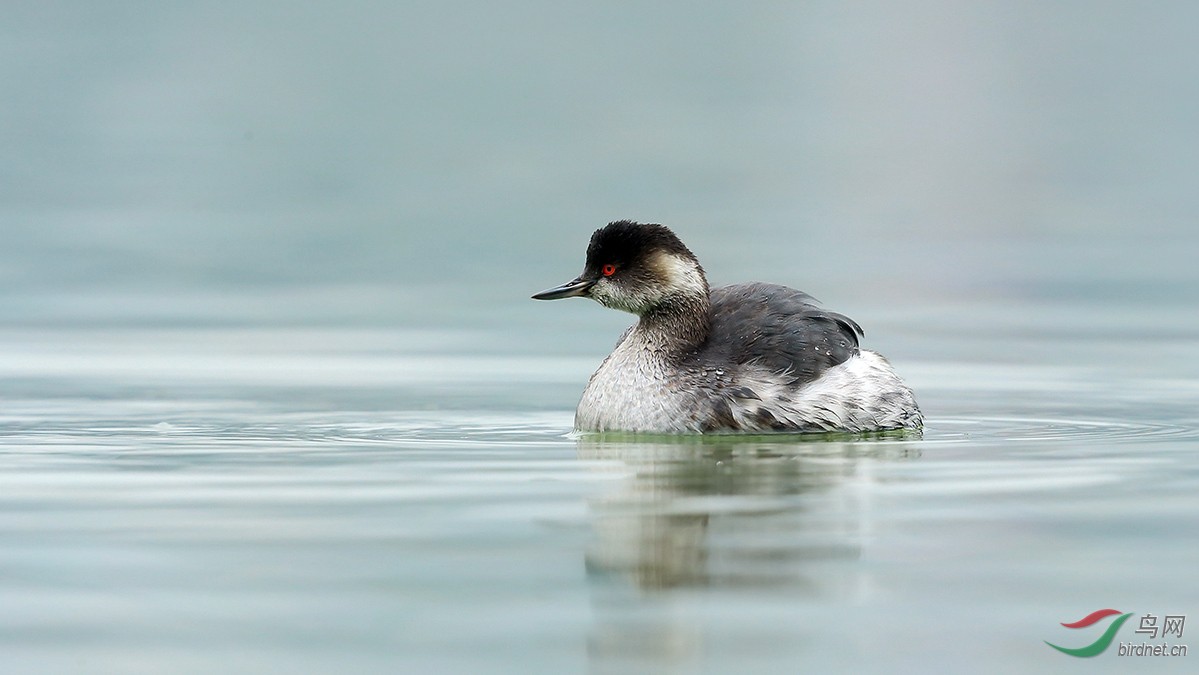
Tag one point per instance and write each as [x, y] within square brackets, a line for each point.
[676, 324]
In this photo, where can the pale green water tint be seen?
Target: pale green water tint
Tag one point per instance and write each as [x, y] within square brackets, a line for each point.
[273, 397]
[384, 500]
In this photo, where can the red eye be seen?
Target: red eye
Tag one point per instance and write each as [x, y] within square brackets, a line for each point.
[608, 270]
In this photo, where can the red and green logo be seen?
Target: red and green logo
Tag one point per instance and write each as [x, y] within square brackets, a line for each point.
[1096, 647]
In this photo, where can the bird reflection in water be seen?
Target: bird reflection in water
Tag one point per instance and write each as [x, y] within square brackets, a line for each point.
[728, 514]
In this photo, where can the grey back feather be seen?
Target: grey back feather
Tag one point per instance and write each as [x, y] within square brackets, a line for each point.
[777, 328]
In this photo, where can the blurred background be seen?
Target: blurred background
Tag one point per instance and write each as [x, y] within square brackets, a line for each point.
[436, 162]
[274, 397]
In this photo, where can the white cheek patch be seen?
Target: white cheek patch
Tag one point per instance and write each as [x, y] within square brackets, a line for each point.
[674, 276]
[679, 274]
[609, 294]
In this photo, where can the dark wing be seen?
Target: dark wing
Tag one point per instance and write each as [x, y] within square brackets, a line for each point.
[779, 328]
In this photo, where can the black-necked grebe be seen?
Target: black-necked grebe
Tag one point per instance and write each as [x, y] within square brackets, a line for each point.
[743, 358]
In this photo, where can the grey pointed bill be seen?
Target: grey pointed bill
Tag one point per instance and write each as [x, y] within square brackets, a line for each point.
[571, 289]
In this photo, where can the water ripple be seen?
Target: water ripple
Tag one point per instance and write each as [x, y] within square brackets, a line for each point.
[1017, 429]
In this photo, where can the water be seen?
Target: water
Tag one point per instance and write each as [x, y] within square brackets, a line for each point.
[315, 499]
[273, 397]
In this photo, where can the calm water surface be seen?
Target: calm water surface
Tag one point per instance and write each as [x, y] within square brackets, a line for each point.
[204, 499]
[273, 397]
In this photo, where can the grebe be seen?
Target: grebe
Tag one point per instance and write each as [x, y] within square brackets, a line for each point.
[750, 357]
